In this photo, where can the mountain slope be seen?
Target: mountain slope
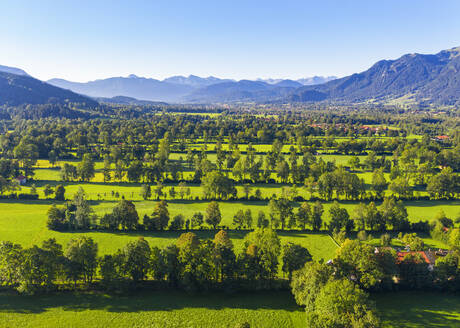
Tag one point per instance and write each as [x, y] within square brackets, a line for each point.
[131, 86]
[423, 77]
[23, 89]
[12, 70]
[122, 100]
[195, 81]
[240, 91]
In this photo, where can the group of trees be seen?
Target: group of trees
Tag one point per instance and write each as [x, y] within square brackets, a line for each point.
[189, 263]
[391, 215]
[139, 151]
[335, 293]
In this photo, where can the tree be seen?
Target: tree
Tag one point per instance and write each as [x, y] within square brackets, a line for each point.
[56, 218]
[454, 238]
[159, 190]
[177, 222]
[359, 216]
[136, 259]
[294, 258]
[134, 171]
[362, 235]
[282, 170]
[83, 212]
[238, 219]
[308, 281]
[379, 184]
[196, 261]
[247, 190]
[106, 171]
[395, 214]
[340, 303]
[213, 215]
[125, 214]
[161, 215]
[182, 189]
[223, 256]
[47, 190]
[10, 262]
[400, 186]
[119, 170]
[340, 219]
[35, 270]
[373, 218]
[59, 192]
[385, 240]
[111, 269]
[262, 222]
[146, 192]
[304, 215]
[281, 210]
[326, 185]
[414, 242]
[197, 220]
[354, 163]
[268, 247]
[355, 259]
[317, 214]
[82, 254]
[85, 168]
[216, 185]
[248, 218]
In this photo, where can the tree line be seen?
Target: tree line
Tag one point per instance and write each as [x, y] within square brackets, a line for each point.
[78, 214]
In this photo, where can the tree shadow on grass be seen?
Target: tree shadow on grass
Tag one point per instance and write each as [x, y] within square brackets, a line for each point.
[419, 309]
[203, 234]
[147, 301]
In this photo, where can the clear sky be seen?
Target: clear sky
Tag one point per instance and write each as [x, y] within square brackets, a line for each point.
[84, 40]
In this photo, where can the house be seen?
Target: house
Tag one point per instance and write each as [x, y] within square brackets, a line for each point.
[21, 180]
[444, 137]
[428, 256]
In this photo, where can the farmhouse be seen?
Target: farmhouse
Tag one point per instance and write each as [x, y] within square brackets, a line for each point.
[428, 256]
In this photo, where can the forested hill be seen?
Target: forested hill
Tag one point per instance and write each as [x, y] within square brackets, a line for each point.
[412, 77]
[22, 89]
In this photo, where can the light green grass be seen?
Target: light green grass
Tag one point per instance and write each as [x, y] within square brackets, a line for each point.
[430, 243]
[25, 223]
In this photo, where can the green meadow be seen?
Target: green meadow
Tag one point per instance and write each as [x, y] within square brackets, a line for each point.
[25, 223]
[178, 309]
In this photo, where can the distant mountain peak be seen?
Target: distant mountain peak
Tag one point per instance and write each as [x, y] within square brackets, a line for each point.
[13, 70]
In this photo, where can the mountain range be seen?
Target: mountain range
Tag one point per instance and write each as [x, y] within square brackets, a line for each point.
[179, 89]
[414, 78]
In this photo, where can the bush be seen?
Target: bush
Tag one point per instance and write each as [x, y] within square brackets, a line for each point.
[27, 196]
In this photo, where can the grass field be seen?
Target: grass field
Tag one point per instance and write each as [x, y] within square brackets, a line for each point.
[25, 223]
[177, 309]
[419, 309]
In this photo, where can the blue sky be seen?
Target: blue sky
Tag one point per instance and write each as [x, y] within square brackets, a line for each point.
[85, 40]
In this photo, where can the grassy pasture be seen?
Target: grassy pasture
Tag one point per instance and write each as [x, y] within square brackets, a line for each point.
[151, 309]
[178, 309]
[26, 224]
[416, 309]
